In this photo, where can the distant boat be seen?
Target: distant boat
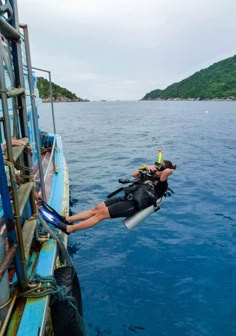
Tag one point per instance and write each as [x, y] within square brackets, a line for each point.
[39, 288]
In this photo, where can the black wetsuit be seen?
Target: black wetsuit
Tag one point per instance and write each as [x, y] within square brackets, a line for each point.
[122, 207]
[160, 188]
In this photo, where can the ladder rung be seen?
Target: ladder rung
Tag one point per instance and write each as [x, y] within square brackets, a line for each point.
[28, 234]
[8, 31]
[15, 92]
[23, 194]
[17, 150]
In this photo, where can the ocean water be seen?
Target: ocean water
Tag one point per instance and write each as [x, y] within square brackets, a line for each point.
[175, 274]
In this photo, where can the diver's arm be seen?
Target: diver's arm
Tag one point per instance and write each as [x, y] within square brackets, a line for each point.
[136, 173]
[167, 172]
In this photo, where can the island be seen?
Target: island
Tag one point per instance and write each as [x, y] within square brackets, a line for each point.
[217, 82]
[59, 93]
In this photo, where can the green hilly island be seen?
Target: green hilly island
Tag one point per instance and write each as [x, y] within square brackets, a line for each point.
[218, 81]
[59, 93]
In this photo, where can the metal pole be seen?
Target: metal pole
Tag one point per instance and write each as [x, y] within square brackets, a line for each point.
[18, 73]
[21, 266]
[53, 119]
[50, 159]
[8, 31]
[50, 90]
[34, 110]
[51, 97]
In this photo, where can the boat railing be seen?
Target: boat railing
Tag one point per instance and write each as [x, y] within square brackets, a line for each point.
[34, 109]
[52, 156]
[50, 94]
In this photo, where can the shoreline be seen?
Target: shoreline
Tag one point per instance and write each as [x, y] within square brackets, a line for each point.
[65, 100]
[191, 99]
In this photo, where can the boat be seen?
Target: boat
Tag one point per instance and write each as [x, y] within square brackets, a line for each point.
[39, 288]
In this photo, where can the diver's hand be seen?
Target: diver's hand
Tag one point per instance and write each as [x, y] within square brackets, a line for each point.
[37, 197]
[151, 168]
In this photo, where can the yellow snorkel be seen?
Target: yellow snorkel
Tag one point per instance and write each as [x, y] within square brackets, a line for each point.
[159, 158]
[159, 163]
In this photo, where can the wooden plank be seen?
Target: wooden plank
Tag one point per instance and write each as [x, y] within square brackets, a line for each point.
[17, 150]
[28, 234]
[23, 194]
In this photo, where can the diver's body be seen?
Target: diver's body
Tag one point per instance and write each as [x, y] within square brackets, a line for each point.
[121, 206]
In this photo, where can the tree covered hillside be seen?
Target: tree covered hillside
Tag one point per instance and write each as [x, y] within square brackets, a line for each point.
[216, 82]
[59, 93]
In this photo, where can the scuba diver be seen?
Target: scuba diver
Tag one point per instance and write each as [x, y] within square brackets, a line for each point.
[149, 184]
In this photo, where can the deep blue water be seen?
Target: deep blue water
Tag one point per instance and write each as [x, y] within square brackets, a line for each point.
[175, 274]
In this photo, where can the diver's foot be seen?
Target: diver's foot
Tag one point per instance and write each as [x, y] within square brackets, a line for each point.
[62, 226]
[64, 220]
[67, 220]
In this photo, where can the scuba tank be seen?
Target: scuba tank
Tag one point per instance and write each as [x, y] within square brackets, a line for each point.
[139, 217]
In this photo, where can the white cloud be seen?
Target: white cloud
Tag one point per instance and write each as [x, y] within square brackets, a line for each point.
[119, 49]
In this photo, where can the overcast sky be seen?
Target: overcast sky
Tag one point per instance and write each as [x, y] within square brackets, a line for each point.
[122, 49]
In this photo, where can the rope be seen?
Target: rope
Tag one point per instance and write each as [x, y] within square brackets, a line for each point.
[55, 235]
[28, 149]
[6, 303]
[28, 177]
[43, 285]
[47, 285]
[18, 166]
[11, 168]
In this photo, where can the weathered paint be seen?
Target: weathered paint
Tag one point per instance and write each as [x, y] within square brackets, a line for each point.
[34, 315]
[57, 190]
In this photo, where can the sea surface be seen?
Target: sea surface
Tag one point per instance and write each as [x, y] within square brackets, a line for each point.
[175, 274]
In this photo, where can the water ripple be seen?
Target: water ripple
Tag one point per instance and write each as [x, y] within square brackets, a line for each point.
[175, 274]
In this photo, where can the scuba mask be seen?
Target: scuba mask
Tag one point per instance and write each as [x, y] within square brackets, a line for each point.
[164, 164]
[160, 165]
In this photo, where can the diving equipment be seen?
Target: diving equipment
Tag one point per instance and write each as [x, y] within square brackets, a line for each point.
[139, 217]
[159, 158]
[52, 217]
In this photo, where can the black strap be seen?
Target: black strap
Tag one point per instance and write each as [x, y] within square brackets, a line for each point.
[123, 181]
[115, 192]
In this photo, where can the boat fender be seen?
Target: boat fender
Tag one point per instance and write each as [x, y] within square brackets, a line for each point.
[66, 317]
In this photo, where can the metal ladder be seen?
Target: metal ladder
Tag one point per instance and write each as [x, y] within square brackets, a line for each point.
[20, 236]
